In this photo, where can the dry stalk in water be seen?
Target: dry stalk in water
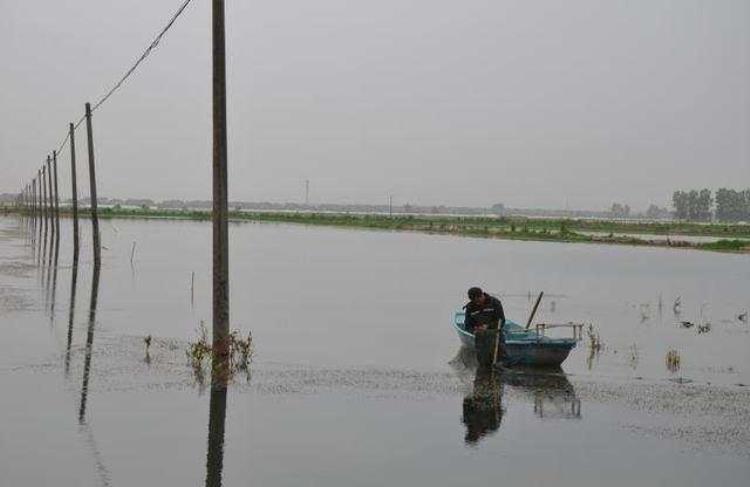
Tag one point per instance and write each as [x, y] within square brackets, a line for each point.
[595, 342]
[201, 352]
[673, 360]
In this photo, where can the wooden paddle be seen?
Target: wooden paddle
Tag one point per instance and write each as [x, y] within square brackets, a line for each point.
[533, 311]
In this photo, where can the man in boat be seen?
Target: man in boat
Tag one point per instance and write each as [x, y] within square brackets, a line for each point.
[485, 312]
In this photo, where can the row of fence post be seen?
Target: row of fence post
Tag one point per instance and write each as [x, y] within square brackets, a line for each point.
[220, 284]
[39, 200]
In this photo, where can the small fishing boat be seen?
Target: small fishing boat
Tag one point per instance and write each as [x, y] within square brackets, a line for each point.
[527, 347]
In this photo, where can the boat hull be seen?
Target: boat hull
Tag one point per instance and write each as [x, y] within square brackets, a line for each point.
[523, 347]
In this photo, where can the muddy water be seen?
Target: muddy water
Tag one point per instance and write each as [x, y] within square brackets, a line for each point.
[357, 377]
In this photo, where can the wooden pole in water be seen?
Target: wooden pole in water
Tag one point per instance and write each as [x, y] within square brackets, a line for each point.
[33, 203]
[46, 217]
[33, 200]
[44, 196]
[39, 206]
[92, 185]
[220, 203]
[533, 311]
[39, 202]
[51, 208]
[57, 196]
[74, 189]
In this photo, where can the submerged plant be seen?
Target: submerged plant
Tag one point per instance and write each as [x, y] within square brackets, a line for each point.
[240, 351]
[704, 328]
[595, 342]
[673, 360]
[200, 352]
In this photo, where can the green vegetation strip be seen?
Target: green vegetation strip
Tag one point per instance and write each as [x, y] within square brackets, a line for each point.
[513, 228]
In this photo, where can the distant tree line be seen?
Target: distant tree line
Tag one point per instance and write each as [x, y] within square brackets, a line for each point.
[701, 205]
[620, 210]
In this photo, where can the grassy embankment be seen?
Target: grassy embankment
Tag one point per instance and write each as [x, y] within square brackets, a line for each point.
[728, 236]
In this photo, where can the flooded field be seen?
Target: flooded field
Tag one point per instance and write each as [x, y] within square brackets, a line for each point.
[358, 377]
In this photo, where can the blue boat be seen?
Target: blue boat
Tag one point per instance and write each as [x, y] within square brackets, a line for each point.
[527, 347]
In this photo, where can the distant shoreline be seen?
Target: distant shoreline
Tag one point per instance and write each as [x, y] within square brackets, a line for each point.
[730, 238]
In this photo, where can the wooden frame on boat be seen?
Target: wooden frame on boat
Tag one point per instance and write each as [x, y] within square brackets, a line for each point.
[541, 329]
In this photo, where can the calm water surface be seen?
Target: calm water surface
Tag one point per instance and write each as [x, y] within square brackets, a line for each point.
[358, 378]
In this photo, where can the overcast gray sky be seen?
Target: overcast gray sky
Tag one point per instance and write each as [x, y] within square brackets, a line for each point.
[471, 102]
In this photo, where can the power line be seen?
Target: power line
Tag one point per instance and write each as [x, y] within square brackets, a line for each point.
[130, 71]
[145, 54]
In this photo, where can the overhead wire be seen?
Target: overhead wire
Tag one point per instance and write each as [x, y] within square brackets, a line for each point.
[130, 71]
[145, 54]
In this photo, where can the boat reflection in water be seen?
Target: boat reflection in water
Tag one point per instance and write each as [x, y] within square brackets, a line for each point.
[548, 390]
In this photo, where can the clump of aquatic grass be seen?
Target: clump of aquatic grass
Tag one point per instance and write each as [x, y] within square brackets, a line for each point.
[673, 360]
[240, 350]
[595, 341]
[704, 328]
[633, 356]
[200, 352]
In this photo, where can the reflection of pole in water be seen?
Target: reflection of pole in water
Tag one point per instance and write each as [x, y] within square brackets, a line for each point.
[44, 209]
[89, 344]
[54, 278]
[53, 242]
[39, 214]
[32, 219]
[71, 312]
[216, 423]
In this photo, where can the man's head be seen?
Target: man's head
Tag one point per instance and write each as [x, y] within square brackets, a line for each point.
[476, 295]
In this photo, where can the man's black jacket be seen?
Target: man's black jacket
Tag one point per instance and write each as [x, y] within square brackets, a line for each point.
[490, 313]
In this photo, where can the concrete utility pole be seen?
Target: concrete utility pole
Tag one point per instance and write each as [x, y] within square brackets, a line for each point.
[71, 134]
[44, 197]
[92, 184]
[220, 202]
[51, 195]
[40, 207]
[57, 196]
